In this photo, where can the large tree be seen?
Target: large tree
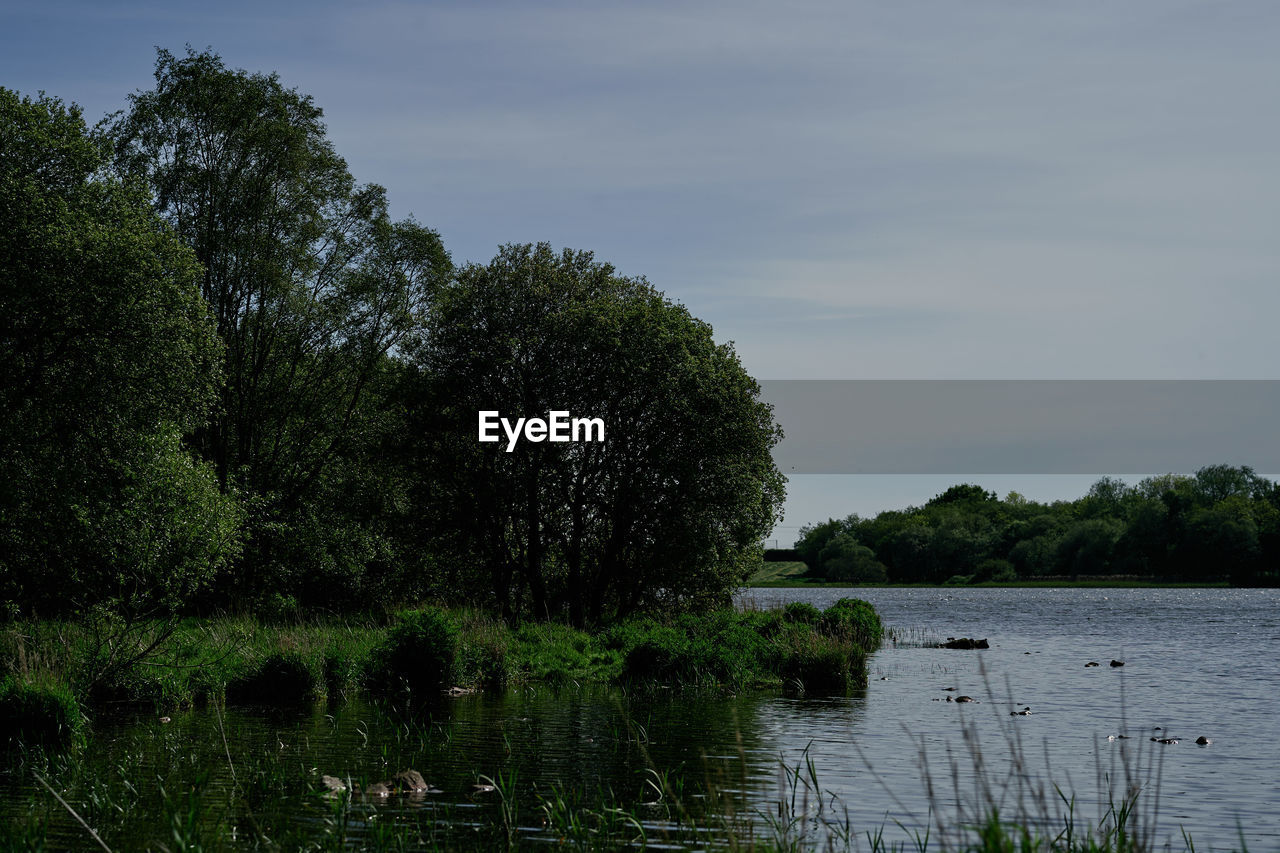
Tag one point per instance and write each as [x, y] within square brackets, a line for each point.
[313, 288]
[107, 357]
[668, 510]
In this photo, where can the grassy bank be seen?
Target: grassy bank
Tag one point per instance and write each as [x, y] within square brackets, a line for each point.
[57, 668]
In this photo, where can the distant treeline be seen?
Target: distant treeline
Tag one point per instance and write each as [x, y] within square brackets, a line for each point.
[1223, 523]
[229, 380]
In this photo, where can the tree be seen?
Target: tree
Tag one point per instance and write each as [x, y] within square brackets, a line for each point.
[844, 558]
[814, 537]
[108, 357]
[668, 510]
[313, 289]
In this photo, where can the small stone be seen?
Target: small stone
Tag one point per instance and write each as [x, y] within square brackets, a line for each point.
[333, 784]
[410, 780]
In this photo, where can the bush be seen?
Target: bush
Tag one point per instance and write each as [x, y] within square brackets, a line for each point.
[799, 611]
[725, 647]
[854, 620]
[279, 679]
[39, 715]
[418, 654]
[660, 653]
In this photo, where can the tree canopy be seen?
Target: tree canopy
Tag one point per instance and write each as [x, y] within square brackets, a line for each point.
[313, 289]
[109, 356]
[1223, 523]
[669, 509]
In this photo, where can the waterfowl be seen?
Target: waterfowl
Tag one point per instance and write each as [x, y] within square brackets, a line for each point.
[1117, 663]
[1203, 741]
[1092, 663]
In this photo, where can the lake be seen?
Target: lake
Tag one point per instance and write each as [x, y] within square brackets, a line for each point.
[1197, 662]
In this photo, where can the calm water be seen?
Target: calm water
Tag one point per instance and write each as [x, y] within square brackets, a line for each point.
[1198, 662]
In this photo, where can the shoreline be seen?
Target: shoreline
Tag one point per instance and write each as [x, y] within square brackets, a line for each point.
[1101, 583]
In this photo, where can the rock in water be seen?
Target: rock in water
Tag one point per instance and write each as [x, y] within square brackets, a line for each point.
[409, 780]
[964, 643]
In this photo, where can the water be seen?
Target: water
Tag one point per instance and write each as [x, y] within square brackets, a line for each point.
[1198, 662]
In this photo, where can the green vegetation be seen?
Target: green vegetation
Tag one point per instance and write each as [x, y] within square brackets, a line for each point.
[233, 384]
[666, 513]
[1220, 526]
[418, 654]
[161, 785]
[38, 713]
[782, 573]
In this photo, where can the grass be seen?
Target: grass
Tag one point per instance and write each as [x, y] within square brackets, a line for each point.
[50, 669]
[780, 574]
[166, 775]
[275, 804]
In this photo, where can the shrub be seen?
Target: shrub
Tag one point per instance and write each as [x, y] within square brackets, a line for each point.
[724, 646]
[855, 620]
[800, 611]
[39, 714]
[418, 654]
[660, 653]
[278, 679]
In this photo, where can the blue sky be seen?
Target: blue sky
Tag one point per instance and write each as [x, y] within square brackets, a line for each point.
[844, 189]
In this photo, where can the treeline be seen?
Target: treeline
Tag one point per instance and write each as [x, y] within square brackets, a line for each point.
[231, 381]
[1223, 523]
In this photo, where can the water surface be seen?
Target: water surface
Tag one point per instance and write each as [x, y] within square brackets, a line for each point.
[1197, 662]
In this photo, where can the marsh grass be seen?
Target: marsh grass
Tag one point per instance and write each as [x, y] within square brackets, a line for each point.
[277, 804]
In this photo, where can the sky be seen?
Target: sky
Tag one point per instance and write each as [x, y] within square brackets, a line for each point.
[845, 190]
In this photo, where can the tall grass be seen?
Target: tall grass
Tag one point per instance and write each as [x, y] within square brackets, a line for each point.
[426, 651]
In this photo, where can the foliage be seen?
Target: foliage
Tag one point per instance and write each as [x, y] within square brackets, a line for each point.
[854, 620]
[418, 653]
[38, 714]
[279, 679]
[818, 663]
[667, 511]
[801, 611]
[1221, 524]
[313, 289]
[109, 357]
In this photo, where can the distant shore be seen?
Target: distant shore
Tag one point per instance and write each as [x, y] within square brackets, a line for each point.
[794, 575]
